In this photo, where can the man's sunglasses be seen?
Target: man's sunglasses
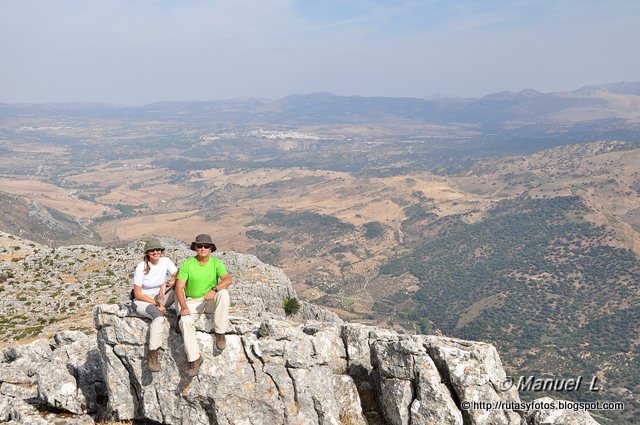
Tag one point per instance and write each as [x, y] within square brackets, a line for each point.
[203, 245]
[156, 249]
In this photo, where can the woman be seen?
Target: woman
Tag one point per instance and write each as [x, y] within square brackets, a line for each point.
[152, 294]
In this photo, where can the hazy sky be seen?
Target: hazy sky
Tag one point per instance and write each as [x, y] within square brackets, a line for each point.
[141, 51]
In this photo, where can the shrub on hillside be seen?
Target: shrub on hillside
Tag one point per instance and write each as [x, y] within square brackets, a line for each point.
[291, 306]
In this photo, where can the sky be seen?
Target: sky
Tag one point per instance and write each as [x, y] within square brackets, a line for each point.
[134, 52]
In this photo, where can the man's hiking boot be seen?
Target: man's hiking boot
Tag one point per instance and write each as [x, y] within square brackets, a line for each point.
[221, 341]
[194, 367]
[152, 360]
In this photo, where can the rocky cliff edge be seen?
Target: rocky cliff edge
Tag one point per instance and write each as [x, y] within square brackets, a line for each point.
[309, 369]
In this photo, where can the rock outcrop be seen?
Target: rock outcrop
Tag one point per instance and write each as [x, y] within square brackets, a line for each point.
[547, 411]
[260, 288]
[276, 371]
[49, 376]
[273, 371]
[310, 368]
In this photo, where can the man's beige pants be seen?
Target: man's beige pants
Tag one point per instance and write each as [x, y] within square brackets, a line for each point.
[218, 305]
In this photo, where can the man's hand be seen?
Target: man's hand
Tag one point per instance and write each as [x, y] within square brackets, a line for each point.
[209, 295]
[185, 312]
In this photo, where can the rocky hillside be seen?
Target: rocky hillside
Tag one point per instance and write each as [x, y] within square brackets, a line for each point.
[66, 282]
[310, 368]
[40, 223]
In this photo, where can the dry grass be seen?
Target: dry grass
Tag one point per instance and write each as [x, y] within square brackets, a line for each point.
[52, 196]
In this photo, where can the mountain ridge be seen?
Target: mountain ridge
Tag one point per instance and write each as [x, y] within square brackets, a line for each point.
[527, 105]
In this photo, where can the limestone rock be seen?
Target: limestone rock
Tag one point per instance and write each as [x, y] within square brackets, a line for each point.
[346, 394]
[277, 371]
[68, 337]
[544, 416]
[6, 406]
[15, 374]
[38, 376]
[17, 411]
[274, 370]
[309, 368]
[72, 379]
[410, 388]
[260, 288]
[36, 351]
[474, 371]
[18, 373]
[21, 391]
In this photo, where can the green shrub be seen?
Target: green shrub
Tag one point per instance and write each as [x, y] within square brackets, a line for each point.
[291, 306]
[373, 229]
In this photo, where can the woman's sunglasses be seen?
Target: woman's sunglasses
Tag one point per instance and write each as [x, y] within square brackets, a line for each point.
[156, 249]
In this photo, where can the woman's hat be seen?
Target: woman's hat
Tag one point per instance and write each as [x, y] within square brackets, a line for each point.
[153, 244]
[203, 239]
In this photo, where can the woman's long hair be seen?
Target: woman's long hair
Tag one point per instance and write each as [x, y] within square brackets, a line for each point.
[147, 267]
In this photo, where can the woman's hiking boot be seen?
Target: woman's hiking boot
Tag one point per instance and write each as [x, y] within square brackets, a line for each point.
[221, 342]
[194, 367]
[154, 364]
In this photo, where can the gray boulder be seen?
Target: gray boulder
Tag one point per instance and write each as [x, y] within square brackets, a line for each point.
[72, 379]
[17, 411]
[546, 411]
[279, 371]
[260, 288]
[270, 372]
[37, 351]
[409, 385]
[39, 379]
[474, 371]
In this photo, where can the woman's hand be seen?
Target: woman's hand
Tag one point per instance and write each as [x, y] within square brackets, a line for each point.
[162, 308]
[185, 312]
[160, 296]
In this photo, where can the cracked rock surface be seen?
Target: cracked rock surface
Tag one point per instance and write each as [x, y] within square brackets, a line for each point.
[273, 371]
[307, 369]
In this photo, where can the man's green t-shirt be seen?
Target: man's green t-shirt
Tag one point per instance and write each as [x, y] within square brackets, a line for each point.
[200, 278]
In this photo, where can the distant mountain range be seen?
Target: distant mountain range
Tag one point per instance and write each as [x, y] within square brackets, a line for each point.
[615, 101]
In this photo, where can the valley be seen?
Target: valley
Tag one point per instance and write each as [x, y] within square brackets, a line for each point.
[522, 234]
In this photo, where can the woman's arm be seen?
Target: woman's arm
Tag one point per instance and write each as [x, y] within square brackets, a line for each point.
[172, 282]
[137, 293]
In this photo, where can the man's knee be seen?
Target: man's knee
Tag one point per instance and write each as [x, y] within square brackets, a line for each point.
[186, 321]
[223, 294]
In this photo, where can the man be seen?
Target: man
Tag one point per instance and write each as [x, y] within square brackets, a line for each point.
[201, 287]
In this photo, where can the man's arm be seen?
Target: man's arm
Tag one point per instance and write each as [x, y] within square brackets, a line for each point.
[225, 282]
[184, 310]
